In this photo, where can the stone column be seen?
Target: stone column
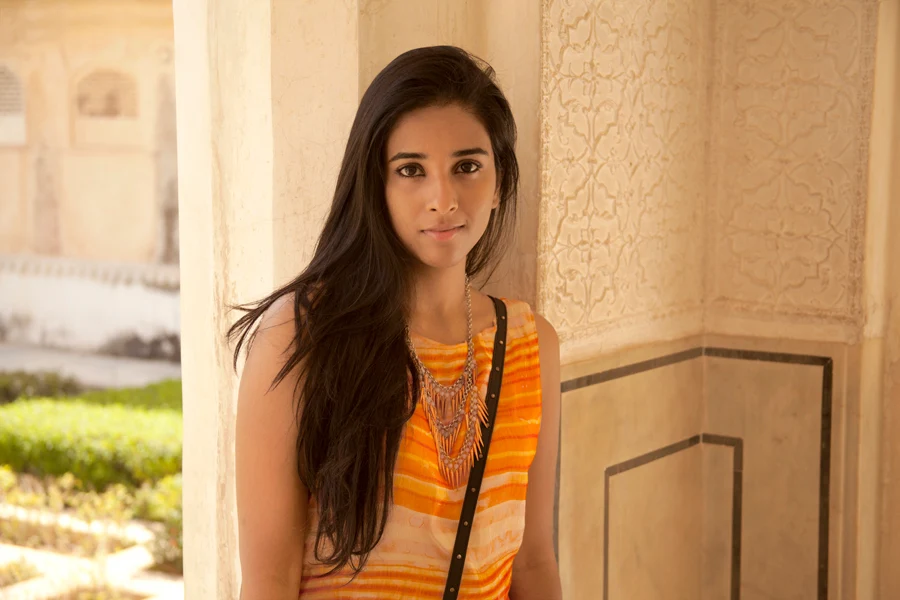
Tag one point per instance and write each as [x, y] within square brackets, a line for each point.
[315, 93]
[265, 93]
[878, 525]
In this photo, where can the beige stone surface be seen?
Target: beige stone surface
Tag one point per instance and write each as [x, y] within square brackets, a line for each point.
[776, 409]
[879, 453]
[629, 356]
[607, 424]
[224, 119]
[791, 109]
[584, 456]
[14, 211]
[789, 262]
[781, 200]
[314, 94]
[655, 518]
[235, 97]
[625, 136]
[113, 206]
[102, 216]
[845, 438]
[715, 528]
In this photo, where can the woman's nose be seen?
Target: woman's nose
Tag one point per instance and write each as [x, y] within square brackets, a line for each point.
[443, 196]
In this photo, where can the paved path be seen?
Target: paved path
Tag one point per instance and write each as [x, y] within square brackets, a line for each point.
[90, 369]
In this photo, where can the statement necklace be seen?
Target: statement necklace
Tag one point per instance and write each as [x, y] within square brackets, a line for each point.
[461, 402]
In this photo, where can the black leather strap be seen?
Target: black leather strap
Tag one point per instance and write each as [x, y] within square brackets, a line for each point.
[470, 502]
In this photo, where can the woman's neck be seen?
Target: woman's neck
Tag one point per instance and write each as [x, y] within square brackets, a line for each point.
[439, 295]
[439, 307]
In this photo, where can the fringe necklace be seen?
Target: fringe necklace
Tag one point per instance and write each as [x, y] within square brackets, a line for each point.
[461, 401]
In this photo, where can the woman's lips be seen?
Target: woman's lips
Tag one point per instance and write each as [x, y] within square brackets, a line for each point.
[442, 235]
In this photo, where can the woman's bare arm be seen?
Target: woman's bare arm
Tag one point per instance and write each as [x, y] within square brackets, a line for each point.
[271, 501]
[535, 572]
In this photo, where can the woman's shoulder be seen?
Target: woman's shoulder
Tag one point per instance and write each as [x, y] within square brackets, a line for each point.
[516, 306]
[522, 315]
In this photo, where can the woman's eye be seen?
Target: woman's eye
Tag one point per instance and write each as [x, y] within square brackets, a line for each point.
[408, 170]
[469, 167]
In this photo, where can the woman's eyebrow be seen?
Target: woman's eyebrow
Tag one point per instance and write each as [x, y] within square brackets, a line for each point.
[408, 155]
[470, 152]
[420, 156]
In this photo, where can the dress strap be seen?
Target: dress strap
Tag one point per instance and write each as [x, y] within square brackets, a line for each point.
[470, 502]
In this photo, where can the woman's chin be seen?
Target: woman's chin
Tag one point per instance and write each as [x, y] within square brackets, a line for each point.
[440, 260]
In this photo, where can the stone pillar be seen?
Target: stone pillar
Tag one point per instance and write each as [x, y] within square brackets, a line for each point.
[265, 95]
[878, 533]
[224, 122]
[315, 93]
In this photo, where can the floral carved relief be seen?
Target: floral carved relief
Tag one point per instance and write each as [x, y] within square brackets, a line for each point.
[624, 127]
[790, 133]
[703, 155]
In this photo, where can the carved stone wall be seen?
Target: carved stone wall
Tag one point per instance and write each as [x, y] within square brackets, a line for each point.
[704, 157]
[790, 132]
[625, 132]
[706, 169]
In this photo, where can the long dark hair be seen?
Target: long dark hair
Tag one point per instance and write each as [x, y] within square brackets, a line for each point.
[351, 303]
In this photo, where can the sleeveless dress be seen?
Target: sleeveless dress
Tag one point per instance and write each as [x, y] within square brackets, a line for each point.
[413, 556]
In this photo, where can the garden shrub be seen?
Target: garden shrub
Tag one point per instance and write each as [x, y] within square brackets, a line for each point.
[16, 572]
[159, 501]
[98, 444]
[168, 544]
[19, 384]
[165, 394]
[7, 479]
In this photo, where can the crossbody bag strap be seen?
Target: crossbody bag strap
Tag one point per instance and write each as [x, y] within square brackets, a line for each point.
[470, 502]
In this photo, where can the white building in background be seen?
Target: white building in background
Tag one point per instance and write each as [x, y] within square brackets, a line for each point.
[88, 192]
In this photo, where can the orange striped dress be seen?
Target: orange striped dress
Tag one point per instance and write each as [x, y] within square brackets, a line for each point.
[413, 556]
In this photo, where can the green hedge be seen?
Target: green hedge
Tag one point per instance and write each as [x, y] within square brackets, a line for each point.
[19, 384]
[166, 394]
[100, 445]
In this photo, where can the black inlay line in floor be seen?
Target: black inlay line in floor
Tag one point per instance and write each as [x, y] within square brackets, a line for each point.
[827, 365]
[737, 445]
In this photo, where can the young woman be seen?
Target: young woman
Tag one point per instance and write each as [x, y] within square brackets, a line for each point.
[397, 429]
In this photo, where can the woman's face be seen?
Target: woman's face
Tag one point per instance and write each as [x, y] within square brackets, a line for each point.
[441, 183]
